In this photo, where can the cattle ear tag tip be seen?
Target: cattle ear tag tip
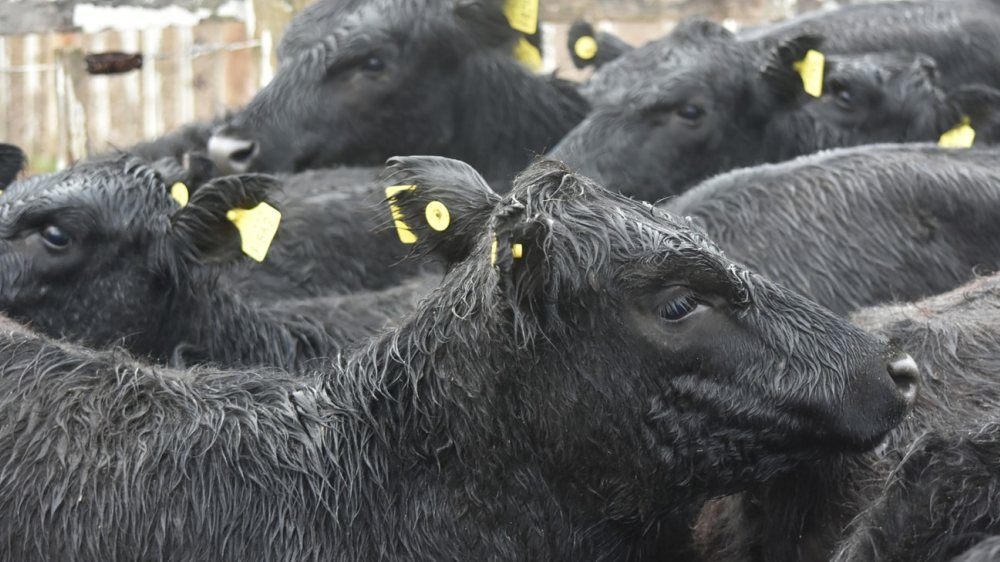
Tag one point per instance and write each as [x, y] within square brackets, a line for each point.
[516, 251]
[522, 15]
[527, 54]
[810, 68]
[962, 136]
[257, 228]
[406, 236]
[180, 193]
[437, 215]
[585, 47]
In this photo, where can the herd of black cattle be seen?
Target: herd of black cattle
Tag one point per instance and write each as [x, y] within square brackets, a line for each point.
[679, 335]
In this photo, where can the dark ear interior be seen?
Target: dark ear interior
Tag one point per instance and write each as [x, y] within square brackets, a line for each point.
[444, 203]
[202, 227]
[487, 21]
[193, 169]
[520, 259]
[590, 48]
[12, 161]
[982, 105]
[778, 71]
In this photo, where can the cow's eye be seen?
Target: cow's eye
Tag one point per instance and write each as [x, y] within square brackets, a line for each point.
[678, 307]
[690, 112]
[373, 64]
[55, 237]
[841, 94]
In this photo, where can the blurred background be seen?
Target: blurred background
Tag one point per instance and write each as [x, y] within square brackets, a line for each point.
[201, 57]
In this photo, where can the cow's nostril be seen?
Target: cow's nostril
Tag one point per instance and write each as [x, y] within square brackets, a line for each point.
[904, 372]
[230, 154]
[245, 154]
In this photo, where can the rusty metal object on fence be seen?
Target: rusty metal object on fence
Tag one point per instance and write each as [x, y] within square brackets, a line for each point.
[112, 63]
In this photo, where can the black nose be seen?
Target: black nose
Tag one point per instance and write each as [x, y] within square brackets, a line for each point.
[231, 152]
[904, 372]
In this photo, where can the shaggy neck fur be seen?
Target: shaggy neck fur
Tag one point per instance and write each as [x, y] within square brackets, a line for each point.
[207, 324]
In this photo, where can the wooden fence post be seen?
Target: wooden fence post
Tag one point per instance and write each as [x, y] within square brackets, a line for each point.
[71, 88]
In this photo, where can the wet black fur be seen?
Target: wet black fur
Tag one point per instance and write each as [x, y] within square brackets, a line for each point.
[450, 87]
[861, 226]
[931, 494]
[884, 55]
[514, 416]
[12, 161]
[144, 273]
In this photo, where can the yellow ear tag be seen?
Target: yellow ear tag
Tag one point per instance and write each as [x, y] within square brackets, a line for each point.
[585, 47]
[493, 252]
[179, 192]
[257, 228]
[406, 236]
[527, 54]
[437, 215]
[962, 136]
[517, 251]
[811, 70]
[522, 15]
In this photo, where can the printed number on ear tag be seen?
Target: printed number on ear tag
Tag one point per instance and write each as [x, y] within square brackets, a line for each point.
[179, 192]
[811, 70]
[585, 47]
[406, 236]
[257, 228]
[962, 136]
[522, 15]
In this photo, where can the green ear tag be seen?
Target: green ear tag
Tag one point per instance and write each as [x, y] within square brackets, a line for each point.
[962, 136]
[179, 192]
[406, 236]
[257, 228]
[522, 15]
[811, 70]
[585, 47]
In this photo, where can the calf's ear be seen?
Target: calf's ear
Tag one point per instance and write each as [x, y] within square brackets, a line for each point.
[794, 68]
[226, 218]
[588, 47]
[981, 105]
[439, 205]
[12, 161]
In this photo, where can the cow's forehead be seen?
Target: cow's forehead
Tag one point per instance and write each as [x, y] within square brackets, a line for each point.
[663, 65]
[124, 188]
[328, 17]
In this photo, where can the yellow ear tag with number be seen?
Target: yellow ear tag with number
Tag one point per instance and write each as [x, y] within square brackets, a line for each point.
[527, 54]
[179, 192]
[585, 47]
[522, 15]
[962, 136]
[257, 228]
[406, 236]
[811, 70]
[438, 216]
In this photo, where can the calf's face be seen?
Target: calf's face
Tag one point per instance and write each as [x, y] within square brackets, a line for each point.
[359, 82]
[734, 104]
[644, 344]
[99, 252]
